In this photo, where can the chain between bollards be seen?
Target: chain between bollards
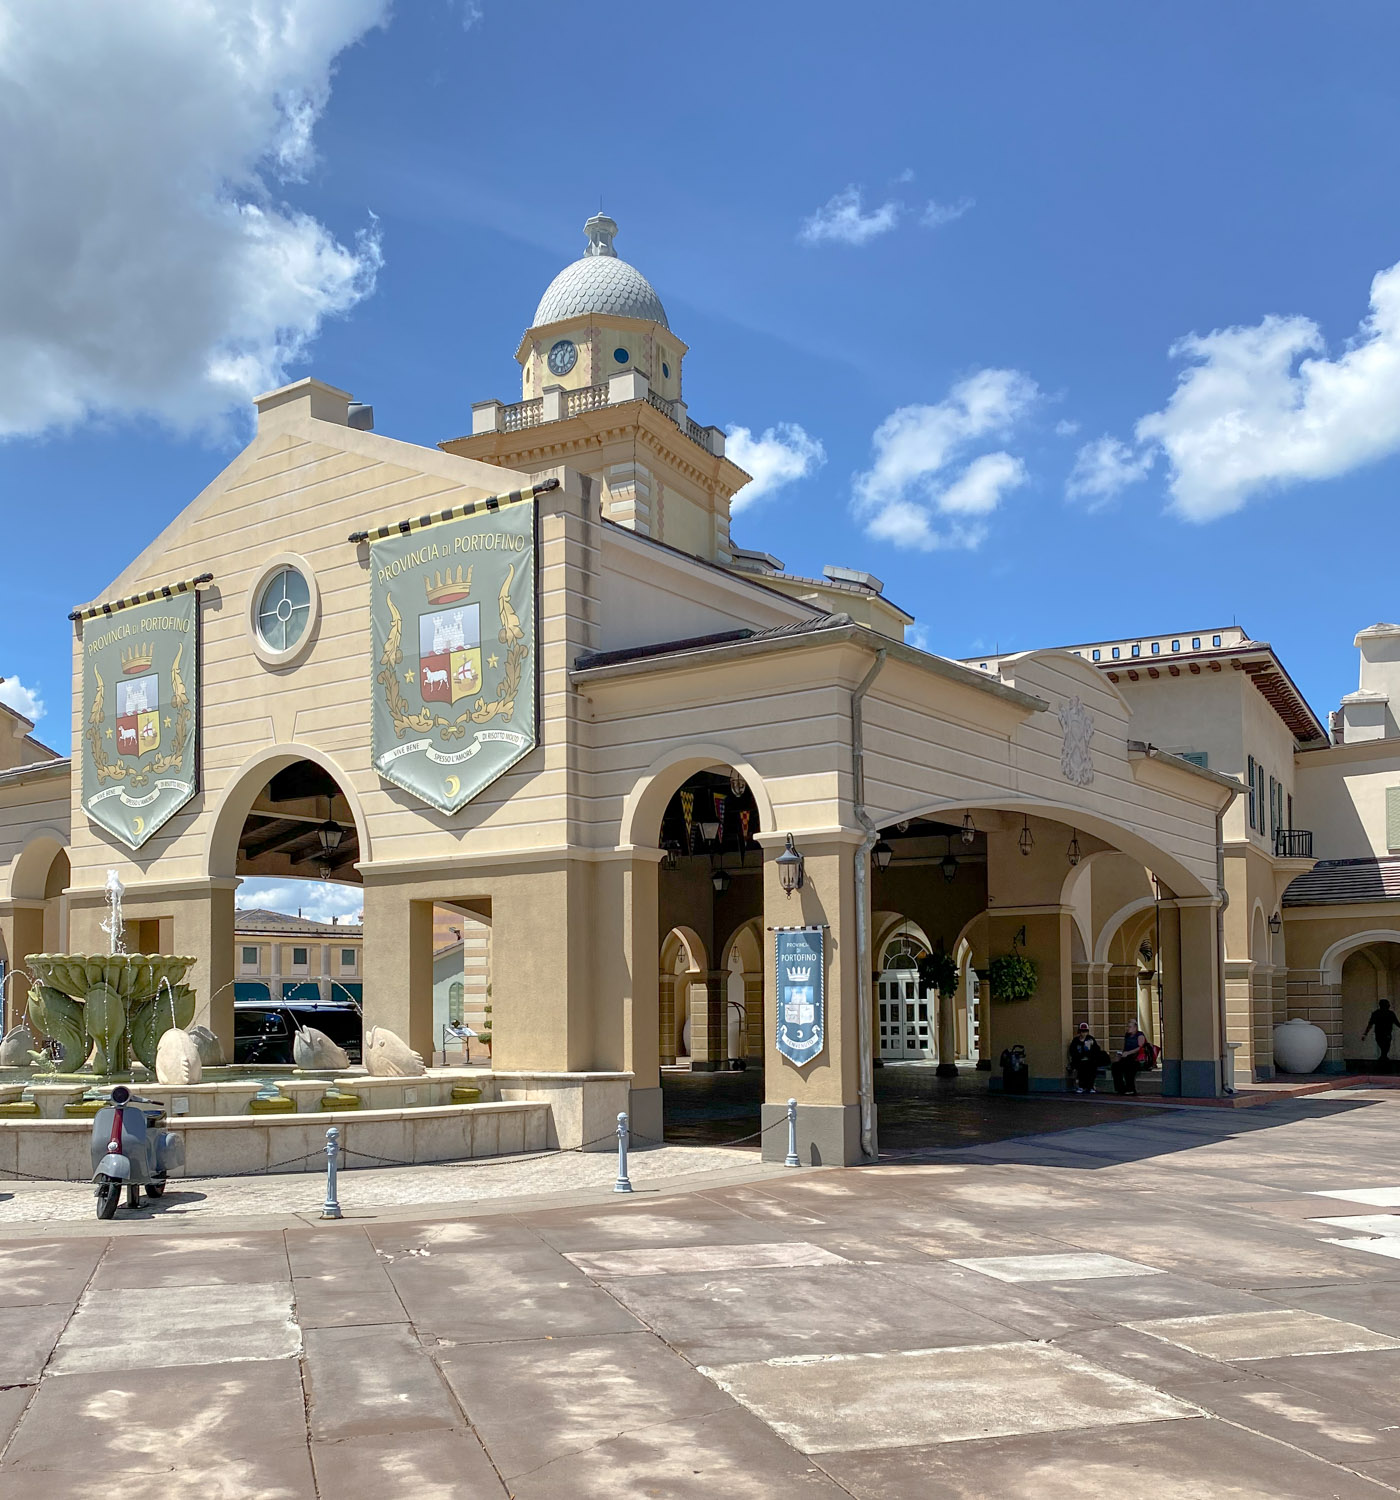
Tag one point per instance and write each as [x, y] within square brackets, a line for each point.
[791, 1159]
[331, 1208]
[624, 1182]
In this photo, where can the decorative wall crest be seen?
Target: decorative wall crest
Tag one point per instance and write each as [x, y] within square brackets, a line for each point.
[1078, 725]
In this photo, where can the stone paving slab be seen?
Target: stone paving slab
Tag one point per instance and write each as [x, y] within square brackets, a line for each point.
[143, 1328]
[674, 1260]
[1187, 1460]
[845, 1403]
[438, 1465]
[226, 1259]
[27, 1339]
[373, 1381]
[1262, 1335]
[46, 1271]
[1056, 1267]
[347, 1299]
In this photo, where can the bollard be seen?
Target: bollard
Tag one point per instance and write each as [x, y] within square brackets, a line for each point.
[331, 1208]
[624, 1182]
[791, 1159]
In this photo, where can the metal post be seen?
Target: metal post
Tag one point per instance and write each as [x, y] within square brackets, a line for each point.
[624, 1182]
[331, 1208]
[791, 1159]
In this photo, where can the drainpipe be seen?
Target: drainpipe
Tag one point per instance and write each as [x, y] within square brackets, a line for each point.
[1220, 939]
[865, 1088]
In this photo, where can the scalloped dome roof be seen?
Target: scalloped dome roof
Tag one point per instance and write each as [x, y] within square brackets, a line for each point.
[599, 283]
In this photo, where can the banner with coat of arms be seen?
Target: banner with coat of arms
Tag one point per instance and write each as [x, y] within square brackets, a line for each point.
[139, 766]
[800, 959]
[452, 611]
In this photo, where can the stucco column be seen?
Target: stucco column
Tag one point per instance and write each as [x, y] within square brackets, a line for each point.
[826, 1088]
[666, 1017]
[1042, 1023]
[709, 1032]
[948, 1034]
[753, 1017]
[1200, 998]
[398, 966]
[627, 1007]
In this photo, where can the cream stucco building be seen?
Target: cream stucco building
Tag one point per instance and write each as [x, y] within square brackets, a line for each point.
[701, 711]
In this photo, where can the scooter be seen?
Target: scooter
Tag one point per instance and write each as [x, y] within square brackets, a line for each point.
[128, 1151]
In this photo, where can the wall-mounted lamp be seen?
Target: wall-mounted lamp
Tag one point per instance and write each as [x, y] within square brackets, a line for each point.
[1276, 924]
[969, 830]
[1027, 838]
[882, 854]
[1074, 854]
[790, 868]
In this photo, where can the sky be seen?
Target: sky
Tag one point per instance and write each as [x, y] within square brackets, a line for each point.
[1067, 322]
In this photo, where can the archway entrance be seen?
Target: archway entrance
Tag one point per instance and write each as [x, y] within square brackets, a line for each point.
[38, 922]
[710, 959]
[1369, 975]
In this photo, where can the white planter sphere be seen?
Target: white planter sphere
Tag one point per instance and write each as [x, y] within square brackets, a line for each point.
[1299, 1046]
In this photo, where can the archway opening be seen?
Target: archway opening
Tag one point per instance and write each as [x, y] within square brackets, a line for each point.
[710, 958]
[298, 927]
[1370, 975]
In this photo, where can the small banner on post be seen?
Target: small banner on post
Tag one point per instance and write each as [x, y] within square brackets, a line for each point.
[452, 611]
[139, 766]
[801, 992]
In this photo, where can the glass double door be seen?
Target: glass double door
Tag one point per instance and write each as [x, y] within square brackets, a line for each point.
[906, 1021]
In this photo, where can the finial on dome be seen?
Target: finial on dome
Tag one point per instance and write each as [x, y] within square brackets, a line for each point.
[600, 230]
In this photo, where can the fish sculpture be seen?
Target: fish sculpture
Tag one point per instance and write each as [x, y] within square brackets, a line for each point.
[314, 1049]
[177, 1058]
[389, 1056]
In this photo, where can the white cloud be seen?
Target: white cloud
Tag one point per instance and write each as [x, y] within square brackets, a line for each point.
[1104, 467]
[146, 264]
[320, 900]
[842, 220]
[1262, 406]
[918, 492]
[936, 214]
[24, 700]
[781, 455]
[469, 10]
[1065, 428]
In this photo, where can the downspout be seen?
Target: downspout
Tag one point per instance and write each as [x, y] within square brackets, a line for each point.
[865, 1087]
[1220, 940]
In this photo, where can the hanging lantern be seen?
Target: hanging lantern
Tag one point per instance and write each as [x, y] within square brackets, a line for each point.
[720, 880]
[790, 868]
[949, 865]
[1073, 854]
[882, 854]
[737, 784]
[969, 831]
[670, 854]
[1027, 838]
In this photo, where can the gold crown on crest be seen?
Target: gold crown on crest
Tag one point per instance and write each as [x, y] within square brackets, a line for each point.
[447, 588]
[137, 659]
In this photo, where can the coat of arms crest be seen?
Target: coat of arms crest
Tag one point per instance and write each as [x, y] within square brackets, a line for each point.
[1075, 760]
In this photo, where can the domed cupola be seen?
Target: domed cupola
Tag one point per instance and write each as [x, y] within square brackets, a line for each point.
[599, 282]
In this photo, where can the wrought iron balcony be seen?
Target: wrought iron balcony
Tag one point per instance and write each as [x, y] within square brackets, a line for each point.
[1293, 843]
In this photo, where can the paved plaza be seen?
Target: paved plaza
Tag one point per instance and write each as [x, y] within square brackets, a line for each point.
[1179, 1303]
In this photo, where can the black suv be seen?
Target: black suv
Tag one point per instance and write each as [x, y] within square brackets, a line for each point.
[263, 1033]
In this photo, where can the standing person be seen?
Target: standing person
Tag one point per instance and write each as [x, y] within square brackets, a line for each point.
[1136, 1053]
[1383, 1021]
[1085, 1058]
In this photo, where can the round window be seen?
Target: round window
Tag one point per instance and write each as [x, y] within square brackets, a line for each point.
[666, 371]
[621, 356]
[284, 607]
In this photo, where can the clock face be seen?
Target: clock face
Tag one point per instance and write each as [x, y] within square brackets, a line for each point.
[563, 356]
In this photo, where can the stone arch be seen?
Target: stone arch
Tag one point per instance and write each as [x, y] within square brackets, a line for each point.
[747, 938]
[1333, 959]
[1260, 943]
[1115, 922]
[683, 962]
[894, 929]
[29, 870]
[1123, 840]
[242, 790]
[645, 803]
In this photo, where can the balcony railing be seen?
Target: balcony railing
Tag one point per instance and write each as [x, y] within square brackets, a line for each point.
[491, 416]
[1293, 843]
[590, 398]
[522, 414]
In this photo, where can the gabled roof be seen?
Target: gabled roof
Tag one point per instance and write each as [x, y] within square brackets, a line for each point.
[252, 920]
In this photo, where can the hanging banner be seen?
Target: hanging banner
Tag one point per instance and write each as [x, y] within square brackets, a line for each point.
[139, 766]
[452, 613]
[801, 992]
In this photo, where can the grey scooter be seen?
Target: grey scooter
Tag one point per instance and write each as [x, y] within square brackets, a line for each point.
[128, 1151]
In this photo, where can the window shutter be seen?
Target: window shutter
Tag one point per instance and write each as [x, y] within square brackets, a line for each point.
[1251, 792]
[1392, 817]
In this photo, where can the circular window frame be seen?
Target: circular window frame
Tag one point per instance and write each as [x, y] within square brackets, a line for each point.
[274, 565]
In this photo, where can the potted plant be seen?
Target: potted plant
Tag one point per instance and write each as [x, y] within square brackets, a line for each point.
[939, 971]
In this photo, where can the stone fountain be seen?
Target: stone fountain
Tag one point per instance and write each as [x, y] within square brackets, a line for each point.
[110, 1007]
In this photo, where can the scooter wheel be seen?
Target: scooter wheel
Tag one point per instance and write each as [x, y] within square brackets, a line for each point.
[133, 1196]
[155, 1189]
[109, 1195]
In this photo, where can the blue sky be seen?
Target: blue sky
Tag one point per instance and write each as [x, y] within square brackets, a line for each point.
[1014, 213]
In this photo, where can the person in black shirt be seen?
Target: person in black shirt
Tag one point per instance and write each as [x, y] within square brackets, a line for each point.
[1085, 1058]
[1383, 1021]
[1136, 1053]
